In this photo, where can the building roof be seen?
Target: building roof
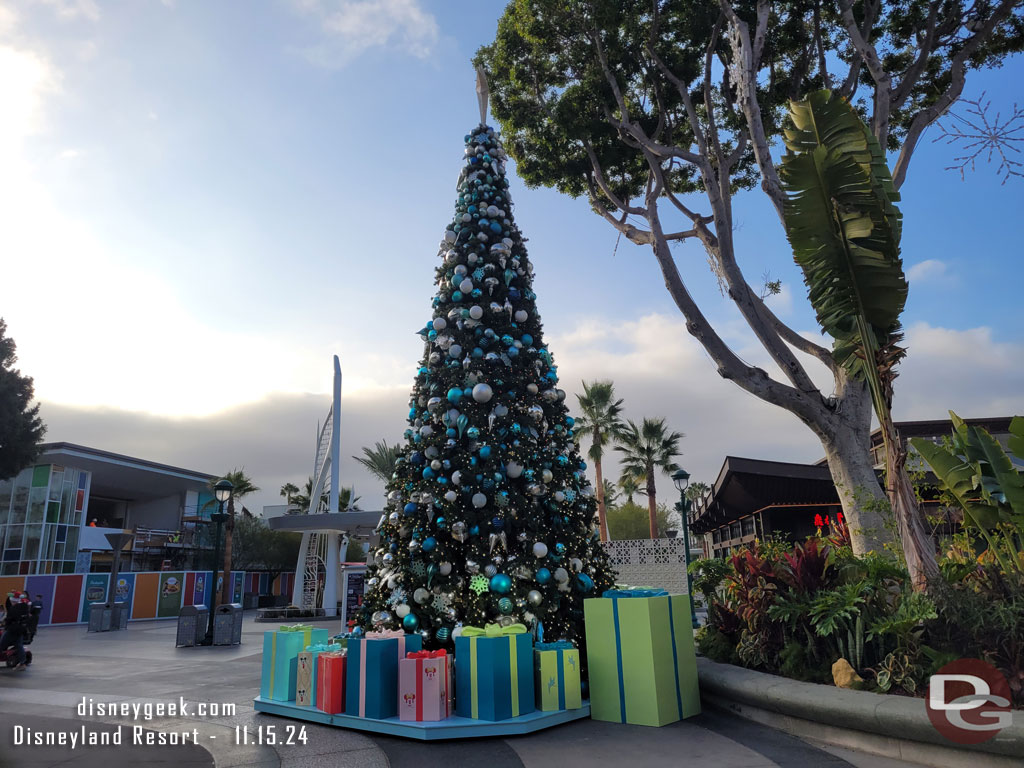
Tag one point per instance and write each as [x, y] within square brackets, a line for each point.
[125, 477]
[747, 485]
[354, 523]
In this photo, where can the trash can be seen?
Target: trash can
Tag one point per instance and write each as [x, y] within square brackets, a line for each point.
[119, 619]
[251, 600]
[99, 617]
[227, 624]
[192, 623]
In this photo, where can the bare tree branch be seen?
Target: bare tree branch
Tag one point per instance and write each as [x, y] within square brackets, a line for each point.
[745, 78]
[883, 84]
[599, 177]
[958, 75]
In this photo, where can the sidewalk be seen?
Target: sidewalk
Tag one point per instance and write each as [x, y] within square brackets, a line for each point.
[142, 665]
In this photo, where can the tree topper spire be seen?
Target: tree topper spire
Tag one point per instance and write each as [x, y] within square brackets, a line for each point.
[482, 93]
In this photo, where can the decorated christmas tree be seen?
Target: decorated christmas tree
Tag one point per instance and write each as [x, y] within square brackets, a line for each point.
[490, 515]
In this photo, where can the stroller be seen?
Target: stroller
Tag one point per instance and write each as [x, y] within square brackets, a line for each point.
[28, 626]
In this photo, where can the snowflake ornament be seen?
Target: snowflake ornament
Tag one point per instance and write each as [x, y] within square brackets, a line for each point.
[479, 584]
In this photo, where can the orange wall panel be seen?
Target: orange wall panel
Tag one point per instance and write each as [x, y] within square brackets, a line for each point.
[146, 587]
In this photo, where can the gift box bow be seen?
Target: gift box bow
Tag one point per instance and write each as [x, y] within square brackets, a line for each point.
[385, 634]
[438, 654]
[560, 645]
[621, 593]
[320, 647]
[296, 628]
[494, 630]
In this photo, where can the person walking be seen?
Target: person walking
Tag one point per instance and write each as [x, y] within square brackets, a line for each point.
[16, 628]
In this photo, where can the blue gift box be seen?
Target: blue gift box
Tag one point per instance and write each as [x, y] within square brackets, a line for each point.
[494, 672]
[280, 651]
[371, 684]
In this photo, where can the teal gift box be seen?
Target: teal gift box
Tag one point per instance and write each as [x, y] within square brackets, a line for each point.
[281, 649]
[371, 675]
[556, 668]
[494, 672]
[640, 657]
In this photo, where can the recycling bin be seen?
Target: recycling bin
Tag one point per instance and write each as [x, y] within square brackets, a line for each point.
[192, 623]
[227, 624]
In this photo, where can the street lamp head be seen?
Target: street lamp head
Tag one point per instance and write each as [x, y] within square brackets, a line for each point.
[681, 478]
[222, 490]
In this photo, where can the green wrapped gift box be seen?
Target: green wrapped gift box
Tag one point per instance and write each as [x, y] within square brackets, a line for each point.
[640, 657]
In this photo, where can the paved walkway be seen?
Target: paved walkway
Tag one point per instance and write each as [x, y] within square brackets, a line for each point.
[141, 666]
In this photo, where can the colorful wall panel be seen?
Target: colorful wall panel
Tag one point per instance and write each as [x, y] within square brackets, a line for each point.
[201, 592]
[190, 589]
[42, 585]
[125, 589]
[67, 597]
[171, 587]
[11, 584]
[95, 592]
[147, 585]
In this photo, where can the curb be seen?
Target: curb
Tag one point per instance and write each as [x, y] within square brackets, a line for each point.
[892, 726]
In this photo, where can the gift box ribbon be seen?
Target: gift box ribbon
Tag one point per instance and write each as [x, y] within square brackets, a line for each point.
[438, 654]
[615, 594]
[494, 630]
[385, 634]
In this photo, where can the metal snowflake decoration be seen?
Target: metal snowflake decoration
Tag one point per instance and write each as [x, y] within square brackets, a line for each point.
[418, 568]
[989, 139]
[441, 603]
[397, 596]
[479, 584]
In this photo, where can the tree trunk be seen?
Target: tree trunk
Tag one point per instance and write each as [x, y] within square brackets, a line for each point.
[849, 460]
[918, 549]
[602, 515]
[225, 593]
[652, 503]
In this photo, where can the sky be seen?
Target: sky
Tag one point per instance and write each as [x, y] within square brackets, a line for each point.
[201, 203]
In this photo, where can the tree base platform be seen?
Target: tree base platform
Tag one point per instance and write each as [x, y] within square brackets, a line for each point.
[453, 728]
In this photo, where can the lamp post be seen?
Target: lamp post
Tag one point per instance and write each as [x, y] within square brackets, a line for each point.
[681, 479]
[222, 491]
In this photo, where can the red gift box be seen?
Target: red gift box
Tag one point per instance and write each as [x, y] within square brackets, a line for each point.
[330, 682]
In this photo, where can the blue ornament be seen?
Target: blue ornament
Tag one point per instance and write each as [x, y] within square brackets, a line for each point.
[527, 339]
[454, 395]
[429, 544]
[584, 583]
[440, 522]
[456, 296]
[543, 576]
[474, 530]
[560, 548]
[513, 352]
[472, 433]
[411, 622]
[427, 473]
[501, 583]
[410, 508]
[416, 458]
[450, 432]
[485, 452]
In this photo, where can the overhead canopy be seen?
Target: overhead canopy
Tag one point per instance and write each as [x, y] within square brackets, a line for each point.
[353, 523]
[124, 477]
[745, 486]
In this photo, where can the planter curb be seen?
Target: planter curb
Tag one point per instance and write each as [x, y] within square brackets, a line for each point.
[894, 726]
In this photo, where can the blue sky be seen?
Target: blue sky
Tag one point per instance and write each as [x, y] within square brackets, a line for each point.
[207, 200]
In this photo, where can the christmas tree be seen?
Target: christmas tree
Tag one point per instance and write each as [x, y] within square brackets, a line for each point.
[490, 515]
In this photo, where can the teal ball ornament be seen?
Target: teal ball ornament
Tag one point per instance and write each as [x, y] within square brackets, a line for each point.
[543, 575]
[443, 634]
[411, 622]
[501, 583]
[505, 606]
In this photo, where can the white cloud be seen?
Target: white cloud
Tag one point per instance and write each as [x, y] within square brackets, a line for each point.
[352, 27]
[8, 19]
[928, 270]
[72, 10]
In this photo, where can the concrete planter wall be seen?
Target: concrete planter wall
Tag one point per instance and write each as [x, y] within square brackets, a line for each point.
[892, 726]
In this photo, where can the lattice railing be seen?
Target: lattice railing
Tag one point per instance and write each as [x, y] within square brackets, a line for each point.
[659, 563]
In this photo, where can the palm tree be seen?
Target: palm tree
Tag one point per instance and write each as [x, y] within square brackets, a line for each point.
[346, 499]
[379, 460]
[645, 450]
[611, 493]
[288, 491]
[600, 420]
[243, 486]
[844, 228]
[629, 487]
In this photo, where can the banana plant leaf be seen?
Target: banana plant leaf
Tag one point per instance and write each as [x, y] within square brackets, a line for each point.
[844, 227]
[958, 477]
